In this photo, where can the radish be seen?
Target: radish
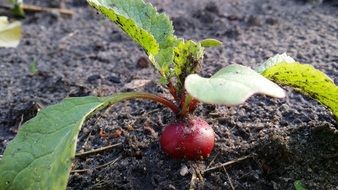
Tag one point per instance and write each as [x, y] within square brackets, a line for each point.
[193, 139]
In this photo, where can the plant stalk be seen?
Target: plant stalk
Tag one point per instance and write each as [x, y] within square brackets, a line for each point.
[193, 105]
[173, 91]
[145, 95]
[185, 105]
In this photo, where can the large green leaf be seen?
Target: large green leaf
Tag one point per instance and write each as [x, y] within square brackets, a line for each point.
[41, 154]
[231, 85]
[140, 20]
[10, 33]
[307, 80]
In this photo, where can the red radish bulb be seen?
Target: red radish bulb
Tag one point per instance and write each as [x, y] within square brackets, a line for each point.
[191, 140]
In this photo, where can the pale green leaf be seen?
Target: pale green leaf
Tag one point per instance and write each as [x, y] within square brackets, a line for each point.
[140, 20]
[307, 80]
[40, 156]
[231, 85]
[10, 33]
[210, 43]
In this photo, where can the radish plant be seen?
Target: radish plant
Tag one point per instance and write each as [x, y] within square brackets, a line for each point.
[178, 61]
[41, 154]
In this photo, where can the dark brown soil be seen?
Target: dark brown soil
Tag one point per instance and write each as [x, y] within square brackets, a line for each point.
[290, 139]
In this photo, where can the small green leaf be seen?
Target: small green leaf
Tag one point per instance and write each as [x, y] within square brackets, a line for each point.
[298, 185]
[18, 8]
[210, 43]
[33, 67]
[140, 20]
[188, 55]
[163, 80]
[231, 85]
[307, 80]
[10, 33]
[41, 154]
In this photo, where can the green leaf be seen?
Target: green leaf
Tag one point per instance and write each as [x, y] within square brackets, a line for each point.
[188, 55]
[298, 185]
[33, 67]
[10, 33]
[140, 20]
[231, 85]
[41, 154]
[210, 43]
[307, 80]
[17, 8]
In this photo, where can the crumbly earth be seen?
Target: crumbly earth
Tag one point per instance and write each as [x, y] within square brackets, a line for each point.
[289, 139]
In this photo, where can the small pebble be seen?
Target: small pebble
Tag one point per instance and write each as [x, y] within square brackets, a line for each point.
[137, 83]
[232, 33]
[143, 62]
[254, 21]
[171, 187]
[271, 21]
[204, 17]
[212, 7]
[93, 78]
[114, 79]
[85, 130]
[184, 170]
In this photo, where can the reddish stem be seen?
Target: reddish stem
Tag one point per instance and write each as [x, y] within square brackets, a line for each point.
[182, 100]
[172, 90]
[145, 95]
[193, 105]
[185, 104]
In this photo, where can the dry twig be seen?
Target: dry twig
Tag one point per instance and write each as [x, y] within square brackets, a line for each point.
[330, 156]
[213, 160]
[229, 179]
[34, 8]
[98, 150]
[228, 163]
[100, 166]
[193, 180]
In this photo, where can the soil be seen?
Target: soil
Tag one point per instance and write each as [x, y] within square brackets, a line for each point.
[287, 139]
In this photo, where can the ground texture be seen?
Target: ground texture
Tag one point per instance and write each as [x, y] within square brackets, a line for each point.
[290, 139]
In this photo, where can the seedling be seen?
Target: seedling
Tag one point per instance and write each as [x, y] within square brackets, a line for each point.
[41, 154]
[17, 8]
[178, 61]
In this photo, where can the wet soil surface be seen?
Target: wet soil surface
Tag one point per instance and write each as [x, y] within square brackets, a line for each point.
[287, 140]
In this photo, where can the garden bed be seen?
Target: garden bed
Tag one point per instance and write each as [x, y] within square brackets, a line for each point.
[282, 140]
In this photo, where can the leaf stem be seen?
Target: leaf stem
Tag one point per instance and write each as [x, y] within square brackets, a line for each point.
[173, 91]
[186, 104]
[145, 95]
[193, 105]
